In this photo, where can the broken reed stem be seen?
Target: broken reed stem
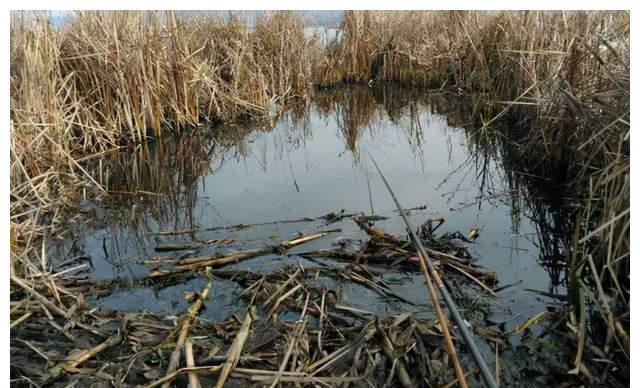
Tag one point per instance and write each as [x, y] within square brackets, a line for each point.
[367, 332]
[275, 306]
[32, 292]
[234, 352]
[292, 343]
[390, 352]
[207, 261]
[18, 321]
[451, 349]
[71, 365]
[191, 314]
[196, 369]
[281, 288]
[475, 280]
[194, 381]
[246, 226]
[114, 340]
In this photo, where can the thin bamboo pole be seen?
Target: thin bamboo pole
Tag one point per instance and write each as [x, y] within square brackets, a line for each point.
[429, 271]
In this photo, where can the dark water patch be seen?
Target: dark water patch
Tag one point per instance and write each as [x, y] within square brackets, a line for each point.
[311, 163]
[172, 300]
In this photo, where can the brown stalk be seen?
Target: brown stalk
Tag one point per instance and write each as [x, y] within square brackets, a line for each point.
[234, 352]
[187, 321]
[71, 365]
[194, 381]
[196, 369]
[444, 324]
[207, 261]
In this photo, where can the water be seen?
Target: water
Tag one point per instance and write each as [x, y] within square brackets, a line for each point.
[312, 162]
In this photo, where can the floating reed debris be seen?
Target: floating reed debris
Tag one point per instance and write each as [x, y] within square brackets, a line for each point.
[331, 343]
[327, 218]
[233, 355]
[212, 262]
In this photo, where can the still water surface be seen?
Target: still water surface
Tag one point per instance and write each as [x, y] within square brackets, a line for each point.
[312, 162]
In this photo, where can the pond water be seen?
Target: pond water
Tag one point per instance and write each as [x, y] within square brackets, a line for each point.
[314, 161]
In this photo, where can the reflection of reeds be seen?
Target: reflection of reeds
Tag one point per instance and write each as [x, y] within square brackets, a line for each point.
[156, 182]
[162, 178]
[357, 108]
[165, 175]
[358, 112]
[354, 109]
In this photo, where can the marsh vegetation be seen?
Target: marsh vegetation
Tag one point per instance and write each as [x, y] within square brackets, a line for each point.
[134, 134]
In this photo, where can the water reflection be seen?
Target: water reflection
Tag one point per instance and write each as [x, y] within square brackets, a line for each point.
[311, 160]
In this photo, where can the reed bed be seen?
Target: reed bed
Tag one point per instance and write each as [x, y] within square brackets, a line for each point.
[105, 81]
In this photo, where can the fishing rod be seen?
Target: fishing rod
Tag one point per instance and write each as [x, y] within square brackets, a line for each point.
[425, 262]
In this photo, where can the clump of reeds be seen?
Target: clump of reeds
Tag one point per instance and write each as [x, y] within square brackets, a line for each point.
[388, 46]
[104, 80]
